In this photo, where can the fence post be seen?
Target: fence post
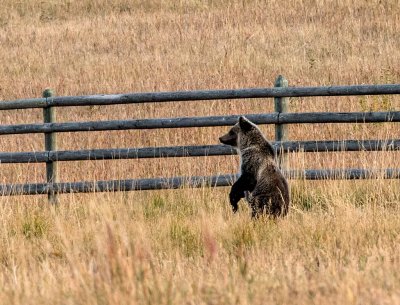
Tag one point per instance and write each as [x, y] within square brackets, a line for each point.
[281, 130]
[50, 144]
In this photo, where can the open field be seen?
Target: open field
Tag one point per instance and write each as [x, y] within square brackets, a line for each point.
[340, 242]
[185, 247]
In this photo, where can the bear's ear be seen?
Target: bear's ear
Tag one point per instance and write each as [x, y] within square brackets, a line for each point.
[245, 124]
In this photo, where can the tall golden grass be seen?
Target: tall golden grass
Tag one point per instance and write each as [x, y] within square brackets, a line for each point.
[340, 242]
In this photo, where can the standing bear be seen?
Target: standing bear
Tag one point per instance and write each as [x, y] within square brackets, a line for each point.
[260, 181]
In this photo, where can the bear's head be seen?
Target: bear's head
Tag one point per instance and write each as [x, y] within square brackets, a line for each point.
[242, 134]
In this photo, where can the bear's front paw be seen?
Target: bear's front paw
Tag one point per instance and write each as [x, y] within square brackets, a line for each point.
[234, 199]
[235, 208]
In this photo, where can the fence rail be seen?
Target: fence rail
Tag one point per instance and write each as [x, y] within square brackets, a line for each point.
[211, 121]
[194, 151]
[178, 182]
[158, 97]
[280, 118]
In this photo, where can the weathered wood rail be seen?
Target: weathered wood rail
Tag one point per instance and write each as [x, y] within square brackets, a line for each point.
[180, 96]
[178, 182]
[211, 121]
[193, 151]
[280, 118]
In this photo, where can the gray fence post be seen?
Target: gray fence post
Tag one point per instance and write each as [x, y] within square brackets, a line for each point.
[50, 144]
[281, 130]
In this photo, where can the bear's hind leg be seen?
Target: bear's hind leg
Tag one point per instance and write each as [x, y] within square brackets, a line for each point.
[256, 205]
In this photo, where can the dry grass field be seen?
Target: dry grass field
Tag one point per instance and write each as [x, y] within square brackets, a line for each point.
[340, 243]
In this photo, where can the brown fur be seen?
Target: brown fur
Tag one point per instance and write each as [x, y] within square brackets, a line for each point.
[261, 182]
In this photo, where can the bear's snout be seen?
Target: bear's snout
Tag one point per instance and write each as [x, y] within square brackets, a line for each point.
[228, 140]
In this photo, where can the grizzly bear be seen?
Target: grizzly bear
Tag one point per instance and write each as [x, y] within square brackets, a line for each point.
[260, 181]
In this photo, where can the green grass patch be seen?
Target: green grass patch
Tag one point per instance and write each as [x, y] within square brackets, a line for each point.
[184, 238]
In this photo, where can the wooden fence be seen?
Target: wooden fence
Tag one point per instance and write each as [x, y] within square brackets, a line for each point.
[280, 118]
